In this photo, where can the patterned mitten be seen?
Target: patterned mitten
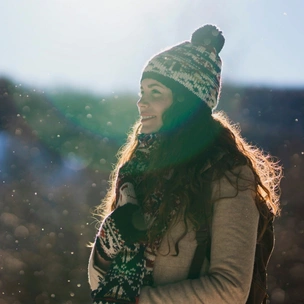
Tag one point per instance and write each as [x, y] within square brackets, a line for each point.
[121, 239]
[125, 225]
[124, 279]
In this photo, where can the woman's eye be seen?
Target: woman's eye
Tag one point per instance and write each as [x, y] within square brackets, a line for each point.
[154, 91]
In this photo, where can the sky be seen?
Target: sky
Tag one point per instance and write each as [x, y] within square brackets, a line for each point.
[103, 45]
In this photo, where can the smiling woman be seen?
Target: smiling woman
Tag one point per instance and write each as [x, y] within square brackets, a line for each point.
[190, 200]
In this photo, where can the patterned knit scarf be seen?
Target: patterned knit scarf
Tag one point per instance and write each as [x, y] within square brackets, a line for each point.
[133, 267]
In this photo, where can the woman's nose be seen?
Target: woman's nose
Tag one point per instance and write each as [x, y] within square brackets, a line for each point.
[142, 102]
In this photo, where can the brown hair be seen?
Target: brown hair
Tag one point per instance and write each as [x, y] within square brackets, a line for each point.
[191, 138]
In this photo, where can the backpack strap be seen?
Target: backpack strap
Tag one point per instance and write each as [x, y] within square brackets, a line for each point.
[202, 234]
[201, 253]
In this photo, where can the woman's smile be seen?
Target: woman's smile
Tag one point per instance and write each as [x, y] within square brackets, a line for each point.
[145, 118]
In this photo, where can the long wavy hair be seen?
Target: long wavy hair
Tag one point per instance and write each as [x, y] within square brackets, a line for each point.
[192, 138]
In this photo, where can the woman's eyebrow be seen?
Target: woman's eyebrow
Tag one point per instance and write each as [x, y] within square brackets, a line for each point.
[155, 85]
[149, 86]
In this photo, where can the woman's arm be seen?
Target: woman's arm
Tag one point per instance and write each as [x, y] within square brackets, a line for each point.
[233, 237]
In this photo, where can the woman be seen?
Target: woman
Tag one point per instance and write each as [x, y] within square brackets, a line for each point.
[184, 172]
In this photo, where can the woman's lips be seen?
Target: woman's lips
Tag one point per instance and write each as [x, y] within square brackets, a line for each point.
[146, 117]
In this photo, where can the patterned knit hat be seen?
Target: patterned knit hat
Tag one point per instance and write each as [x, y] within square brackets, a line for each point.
[195, 65]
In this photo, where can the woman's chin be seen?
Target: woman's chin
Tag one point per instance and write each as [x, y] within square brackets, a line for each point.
[148, 129]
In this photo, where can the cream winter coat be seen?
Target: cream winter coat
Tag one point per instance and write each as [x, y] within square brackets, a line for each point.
[227, 278]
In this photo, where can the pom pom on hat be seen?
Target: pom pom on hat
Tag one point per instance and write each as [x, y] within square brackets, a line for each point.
[195, 65]
[208, 35]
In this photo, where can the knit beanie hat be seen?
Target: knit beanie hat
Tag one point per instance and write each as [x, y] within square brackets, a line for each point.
[195, 65]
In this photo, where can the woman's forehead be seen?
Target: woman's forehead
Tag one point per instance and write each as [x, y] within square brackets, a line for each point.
[149, 83]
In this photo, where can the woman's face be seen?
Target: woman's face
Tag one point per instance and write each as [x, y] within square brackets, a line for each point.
[155, 99]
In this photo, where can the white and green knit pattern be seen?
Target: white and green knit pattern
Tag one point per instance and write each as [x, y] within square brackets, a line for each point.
[195, 67]
[110, 241]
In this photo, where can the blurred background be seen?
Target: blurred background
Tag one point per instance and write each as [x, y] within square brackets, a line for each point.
[69, 75]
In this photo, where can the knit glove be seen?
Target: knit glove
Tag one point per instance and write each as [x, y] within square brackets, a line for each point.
[121, 239]
[125, 277]
[125, 225]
